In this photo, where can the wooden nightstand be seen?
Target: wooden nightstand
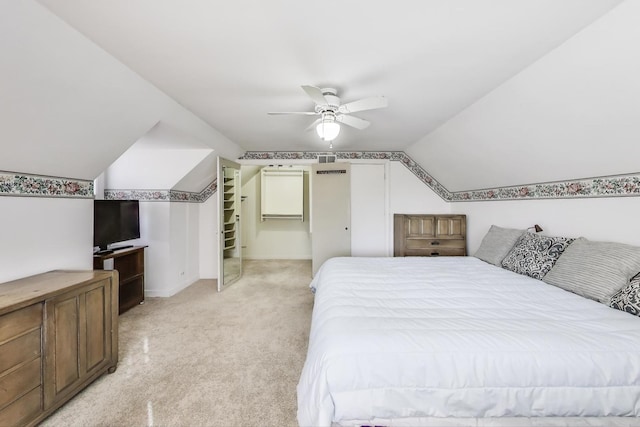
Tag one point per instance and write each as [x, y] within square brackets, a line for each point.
[429, 235]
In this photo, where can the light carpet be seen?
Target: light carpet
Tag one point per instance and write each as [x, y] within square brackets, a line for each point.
[202, 358]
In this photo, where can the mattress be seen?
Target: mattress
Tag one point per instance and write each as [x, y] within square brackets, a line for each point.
[455, 337]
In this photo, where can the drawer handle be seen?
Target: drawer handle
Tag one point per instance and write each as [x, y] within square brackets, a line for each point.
[435, 253]
[435, 243]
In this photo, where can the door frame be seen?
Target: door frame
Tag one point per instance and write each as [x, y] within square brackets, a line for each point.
[221, 164]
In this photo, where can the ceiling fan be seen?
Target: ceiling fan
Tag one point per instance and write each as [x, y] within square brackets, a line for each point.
[332, 113]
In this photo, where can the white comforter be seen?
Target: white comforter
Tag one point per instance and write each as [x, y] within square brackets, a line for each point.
[456, 337]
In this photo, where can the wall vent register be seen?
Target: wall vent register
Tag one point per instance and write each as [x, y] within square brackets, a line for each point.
[327, 158]
[282, 194]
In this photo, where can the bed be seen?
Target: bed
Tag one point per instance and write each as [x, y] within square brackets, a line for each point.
[449, 341]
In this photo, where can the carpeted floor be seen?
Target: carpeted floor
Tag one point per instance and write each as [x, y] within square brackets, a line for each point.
[202, 358]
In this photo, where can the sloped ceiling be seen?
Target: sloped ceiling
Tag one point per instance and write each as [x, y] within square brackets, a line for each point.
[232, 62]
[200, 176]
[481, 93]
[159, 161]
[69, 109]
[575, 113]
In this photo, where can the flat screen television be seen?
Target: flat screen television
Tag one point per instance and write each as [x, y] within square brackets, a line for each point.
[115, 221]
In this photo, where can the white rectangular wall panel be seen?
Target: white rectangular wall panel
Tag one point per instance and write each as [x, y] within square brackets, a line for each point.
[368, 210]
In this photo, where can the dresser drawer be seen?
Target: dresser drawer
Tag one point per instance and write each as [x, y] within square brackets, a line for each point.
[24, 409]
[20, 381]
[19, 350]
[20, 321]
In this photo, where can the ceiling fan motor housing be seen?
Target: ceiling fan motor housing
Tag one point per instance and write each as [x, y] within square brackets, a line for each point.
[331, 95]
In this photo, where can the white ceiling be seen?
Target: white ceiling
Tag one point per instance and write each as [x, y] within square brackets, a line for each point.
[232, 62]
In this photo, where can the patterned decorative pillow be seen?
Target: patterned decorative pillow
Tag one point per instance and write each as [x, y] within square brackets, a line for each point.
[534, 255]
[628, 298]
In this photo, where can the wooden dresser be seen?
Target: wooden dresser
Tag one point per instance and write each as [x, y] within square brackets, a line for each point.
[58, 333]
[429, 235]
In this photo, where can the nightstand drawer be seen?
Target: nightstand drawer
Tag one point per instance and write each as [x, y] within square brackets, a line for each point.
[435, 252]
[428, 244]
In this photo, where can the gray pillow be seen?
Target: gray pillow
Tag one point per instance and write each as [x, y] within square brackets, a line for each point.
[534, 255]
[595, 270]
[497, 243]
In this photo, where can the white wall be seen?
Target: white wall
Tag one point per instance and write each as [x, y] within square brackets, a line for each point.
[154, 232]
[172, 260]
[608, 219]
[272, 239]
[42, 234]
[184, 245]
[409, 195]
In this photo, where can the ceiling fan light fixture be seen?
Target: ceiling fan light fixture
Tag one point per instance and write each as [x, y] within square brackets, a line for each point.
[328, 129]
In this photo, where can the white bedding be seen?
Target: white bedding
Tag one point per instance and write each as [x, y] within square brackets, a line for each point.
[395, 338]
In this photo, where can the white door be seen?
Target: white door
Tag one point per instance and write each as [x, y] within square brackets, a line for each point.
[330, 212]
[369, 233]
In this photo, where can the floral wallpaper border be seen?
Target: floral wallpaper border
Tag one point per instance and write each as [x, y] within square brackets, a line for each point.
[612, 186]
[15, 184]
[163, 195]
[398, 156]
[608, 186]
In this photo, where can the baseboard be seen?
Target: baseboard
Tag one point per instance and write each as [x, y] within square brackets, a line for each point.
[165, 293]
[266, 257]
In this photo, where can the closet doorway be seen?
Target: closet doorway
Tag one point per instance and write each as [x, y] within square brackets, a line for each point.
[229, 196]
[273, 226]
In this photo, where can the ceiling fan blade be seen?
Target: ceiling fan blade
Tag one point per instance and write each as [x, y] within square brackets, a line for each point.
[315, 94]
[304, 113]
[364, 104]
[352, 121]
[313, 125]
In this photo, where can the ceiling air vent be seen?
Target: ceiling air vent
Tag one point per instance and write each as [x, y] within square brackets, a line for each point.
[327, 158]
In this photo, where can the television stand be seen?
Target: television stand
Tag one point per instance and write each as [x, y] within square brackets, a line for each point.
[103, 252]
[129, 263]
[117, 248]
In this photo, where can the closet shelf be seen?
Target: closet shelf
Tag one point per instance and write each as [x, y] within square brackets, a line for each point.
[274, 216]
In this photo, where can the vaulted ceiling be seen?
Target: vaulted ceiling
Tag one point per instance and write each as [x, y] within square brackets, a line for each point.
[481, 93]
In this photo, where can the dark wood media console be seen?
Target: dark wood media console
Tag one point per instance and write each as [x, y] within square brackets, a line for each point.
[130, 265]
